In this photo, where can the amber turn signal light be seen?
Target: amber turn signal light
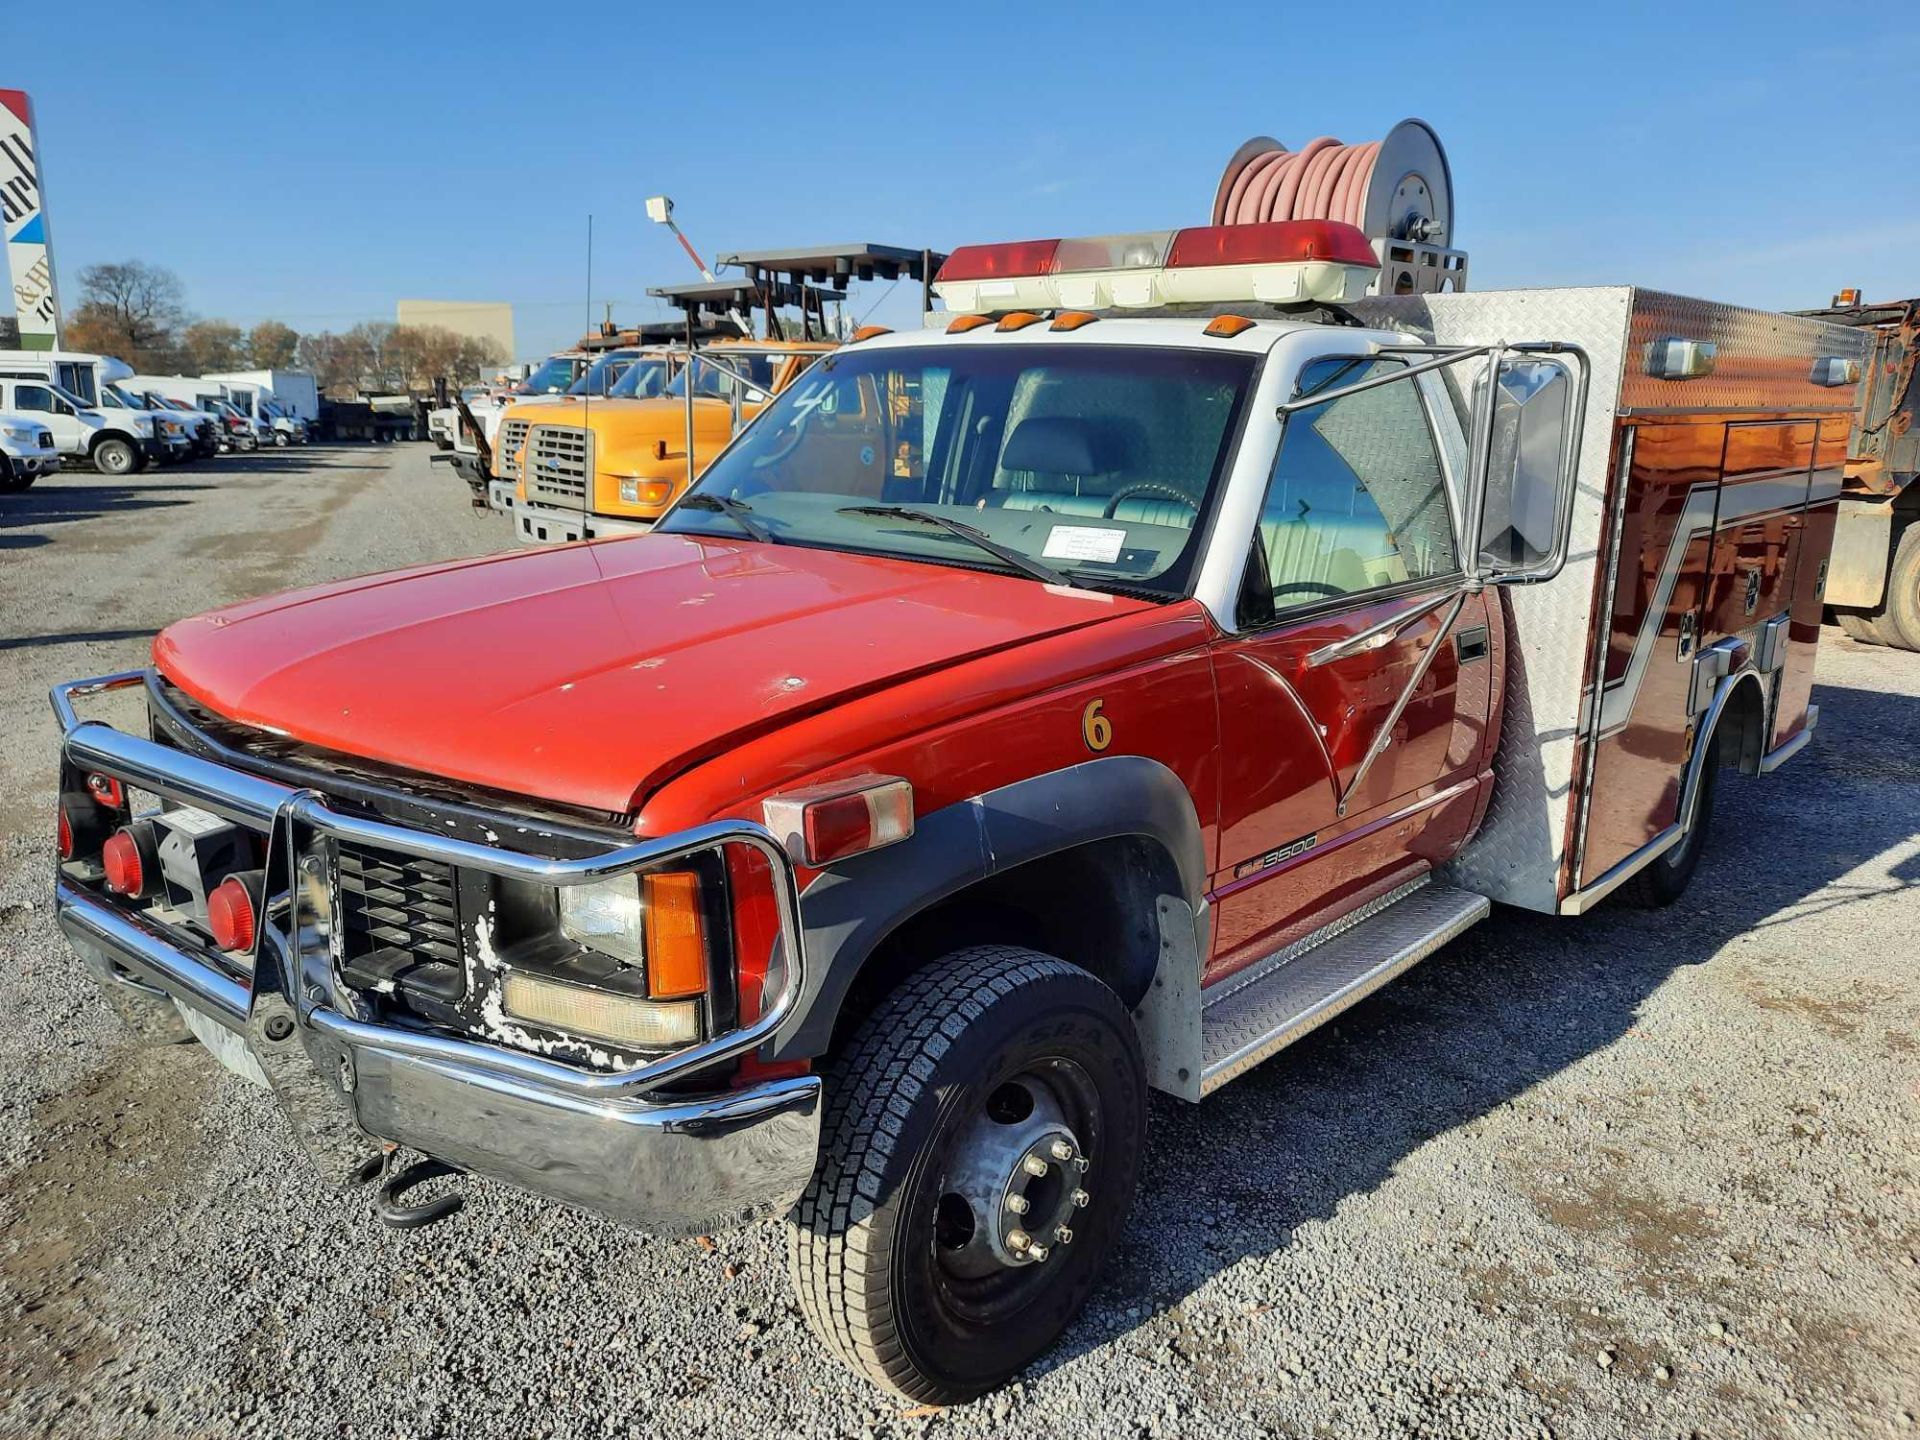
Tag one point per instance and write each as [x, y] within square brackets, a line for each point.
[676, 934]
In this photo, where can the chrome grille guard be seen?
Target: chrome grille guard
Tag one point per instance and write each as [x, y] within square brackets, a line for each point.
[314, 992]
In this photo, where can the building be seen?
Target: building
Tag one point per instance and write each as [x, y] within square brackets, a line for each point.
[481, 319]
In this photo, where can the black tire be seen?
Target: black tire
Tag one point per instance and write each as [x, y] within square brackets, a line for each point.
[13, 484]
[281, 440]
[1899, 622]
[1666, 878]
[114, 456]
[871, 1240]
[1867, 629]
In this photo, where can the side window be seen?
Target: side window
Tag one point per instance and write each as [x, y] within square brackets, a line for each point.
[33, 397]
[1357, 499]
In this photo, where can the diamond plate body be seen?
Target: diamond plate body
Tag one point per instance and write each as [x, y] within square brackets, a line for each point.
[1265, 1009]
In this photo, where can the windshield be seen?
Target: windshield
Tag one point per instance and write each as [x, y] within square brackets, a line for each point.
[1096, 461]
[599, 380]
[119, 399]
[552, 378]
[716, 383]
[643, 380]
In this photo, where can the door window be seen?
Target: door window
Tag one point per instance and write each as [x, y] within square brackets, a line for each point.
[1357, 500]
[33, 397]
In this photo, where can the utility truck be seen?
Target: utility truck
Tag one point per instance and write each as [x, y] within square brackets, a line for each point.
[115, 441]
[1217, 640]
[27, 451]
[1874, 587]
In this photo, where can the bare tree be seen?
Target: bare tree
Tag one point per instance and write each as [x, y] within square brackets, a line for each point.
[131, 310]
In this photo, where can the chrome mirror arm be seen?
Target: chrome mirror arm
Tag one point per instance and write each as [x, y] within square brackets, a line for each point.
[1383, 737]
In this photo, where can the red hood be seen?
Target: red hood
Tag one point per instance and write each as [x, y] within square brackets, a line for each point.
[587, 674]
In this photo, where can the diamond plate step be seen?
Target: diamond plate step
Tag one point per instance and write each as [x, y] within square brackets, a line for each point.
[1244, 1020]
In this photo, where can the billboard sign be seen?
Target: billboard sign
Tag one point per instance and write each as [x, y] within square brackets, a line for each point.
[23, 220]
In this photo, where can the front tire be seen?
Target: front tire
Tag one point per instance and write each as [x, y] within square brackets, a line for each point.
[979, 1086]
[115, 457]
[281, 440]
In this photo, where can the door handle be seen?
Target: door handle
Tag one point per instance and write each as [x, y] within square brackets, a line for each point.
[1471, 645]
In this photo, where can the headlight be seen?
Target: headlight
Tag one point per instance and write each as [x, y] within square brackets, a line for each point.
[605, 917]
[18, 435]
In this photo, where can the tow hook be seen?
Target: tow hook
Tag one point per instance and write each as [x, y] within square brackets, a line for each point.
[392, 1183]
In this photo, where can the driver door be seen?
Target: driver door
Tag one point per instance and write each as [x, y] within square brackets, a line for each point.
[1356, 529]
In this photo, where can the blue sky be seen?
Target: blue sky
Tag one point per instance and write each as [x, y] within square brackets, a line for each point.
[317, 162]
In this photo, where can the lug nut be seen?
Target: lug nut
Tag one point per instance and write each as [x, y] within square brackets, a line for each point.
[1036, 1252]
[1018, 1240]
[1062, 1234]
[1081, 1199]
[1018, 1204]
[1034, 1166]
[1082, 1164]
[1061, 1150]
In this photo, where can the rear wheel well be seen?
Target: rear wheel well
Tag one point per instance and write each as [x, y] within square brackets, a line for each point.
[1093, 905]
[1743, 726]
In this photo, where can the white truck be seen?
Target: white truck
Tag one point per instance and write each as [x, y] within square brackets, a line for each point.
[272, 424]
[294, 391]
[232, 430]
[27, 451]
[114, 442]
[95, 381]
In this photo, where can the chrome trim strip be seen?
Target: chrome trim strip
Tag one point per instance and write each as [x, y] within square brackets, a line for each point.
[1780, 754]
[1622, 871]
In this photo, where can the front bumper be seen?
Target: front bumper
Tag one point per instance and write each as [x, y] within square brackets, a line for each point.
[547, 525]
[610, 1142]
[153, 447]
[500, 496]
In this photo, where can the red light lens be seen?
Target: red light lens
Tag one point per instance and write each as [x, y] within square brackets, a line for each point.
[125, 867]
[830, 822]
[992, 262]
[63, 835]
[1277, 242]
[230, 914]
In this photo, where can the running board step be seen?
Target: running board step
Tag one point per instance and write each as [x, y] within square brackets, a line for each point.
[1265, 1008]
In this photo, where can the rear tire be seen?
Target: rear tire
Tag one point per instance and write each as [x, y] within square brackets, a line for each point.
[114, 456]
[1665, 879]
[905, 1253]
[281, 440]
[1900, 623]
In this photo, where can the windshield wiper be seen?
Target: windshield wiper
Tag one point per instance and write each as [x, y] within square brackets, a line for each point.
[737, 511]
[1025, 564]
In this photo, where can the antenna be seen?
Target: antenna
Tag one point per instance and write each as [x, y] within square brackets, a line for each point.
[586, 400]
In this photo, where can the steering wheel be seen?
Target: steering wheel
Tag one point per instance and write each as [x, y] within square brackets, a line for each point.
[1312, 587]
[1149, 487]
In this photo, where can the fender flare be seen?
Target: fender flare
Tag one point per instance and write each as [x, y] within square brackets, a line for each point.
[1691, 777]
[851, 909]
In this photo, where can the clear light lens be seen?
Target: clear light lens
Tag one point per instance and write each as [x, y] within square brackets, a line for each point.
[629, 492]
[600, 1015]
[605, 917]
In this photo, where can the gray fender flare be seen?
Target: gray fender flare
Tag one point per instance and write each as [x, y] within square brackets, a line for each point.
[850, 909]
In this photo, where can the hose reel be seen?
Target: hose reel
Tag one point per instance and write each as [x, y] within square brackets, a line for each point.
[1397, 191]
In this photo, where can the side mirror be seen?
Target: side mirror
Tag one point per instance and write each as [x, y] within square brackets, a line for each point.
[1529, 445]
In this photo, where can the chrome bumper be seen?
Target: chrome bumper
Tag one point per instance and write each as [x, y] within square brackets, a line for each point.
[604, 1141]
[544, 525]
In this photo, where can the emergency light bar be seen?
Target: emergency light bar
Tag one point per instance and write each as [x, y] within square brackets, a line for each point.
[1279, 262]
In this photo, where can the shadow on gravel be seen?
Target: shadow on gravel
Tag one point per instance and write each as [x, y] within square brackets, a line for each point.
[50, 503]
[1511, 1003]
[71, 637]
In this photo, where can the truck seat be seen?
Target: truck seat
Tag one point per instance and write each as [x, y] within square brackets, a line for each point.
[1345, 555]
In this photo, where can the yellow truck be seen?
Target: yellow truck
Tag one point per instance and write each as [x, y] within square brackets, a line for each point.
[613, 466]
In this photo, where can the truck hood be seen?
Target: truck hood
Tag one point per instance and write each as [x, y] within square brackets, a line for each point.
[589, 674]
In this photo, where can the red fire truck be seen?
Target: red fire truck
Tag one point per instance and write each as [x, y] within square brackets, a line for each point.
[1218, 641]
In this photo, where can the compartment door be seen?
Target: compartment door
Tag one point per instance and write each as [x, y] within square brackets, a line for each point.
[1664, 555]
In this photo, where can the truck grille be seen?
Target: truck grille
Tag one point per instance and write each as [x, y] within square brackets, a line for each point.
[557, 463]
[396, 902]
[506, 454]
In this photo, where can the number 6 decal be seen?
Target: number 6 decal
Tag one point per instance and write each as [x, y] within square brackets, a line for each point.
[1095, 728]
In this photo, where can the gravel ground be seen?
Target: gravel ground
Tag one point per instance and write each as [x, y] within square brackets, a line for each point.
[1647, 1175]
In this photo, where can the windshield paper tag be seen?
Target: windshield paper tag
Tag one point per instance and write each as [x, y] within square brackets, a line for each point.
[1083, 542]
